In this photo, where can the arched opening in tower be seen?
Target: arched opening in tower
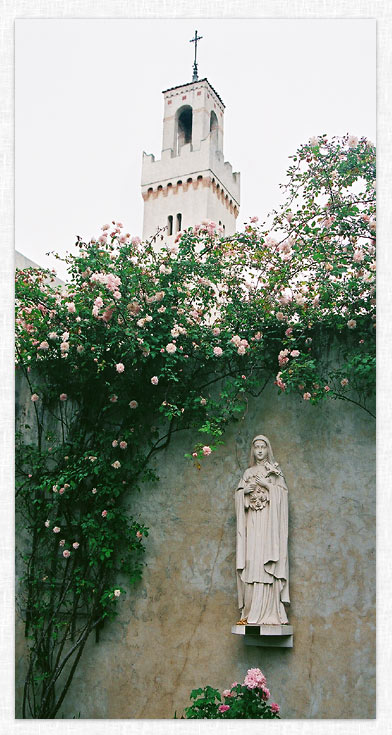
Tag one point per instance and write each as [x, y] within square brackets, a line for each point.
[184, 126]
[214, 128]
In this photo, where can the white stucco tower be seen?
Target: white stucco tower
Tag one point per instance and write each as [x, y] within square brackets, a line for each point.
[191, 181]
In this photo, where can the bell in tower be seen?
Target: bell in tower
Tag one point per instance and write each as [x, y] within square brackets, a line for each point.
[191, 182]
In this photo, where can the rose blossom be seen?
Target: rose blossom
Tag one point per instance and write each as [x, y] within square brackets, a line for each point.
[56, 529]
[352, 141]
[154, 380]
[62, 542]
[274, 707]
[75, 545]
[218, 351]
[104, 513]
[63, 396]
[294, 353]
[133, 404]
[280, 316]
[113, 398]
[114, 443]
[227, 693]
[203, 401]
[117, 593]
[254, 219]
[326, 388]
[236, 340]
[34, 397]
[223, 708]
[194, 454]
[171, 348]
[351, 323]
[344, 382]
[306, 396]
[44, 346]
[47, 523]
[241, 350]
[207, 450]
[123, 445]
[71, 307]
[66, 553]
[216, 331]
[139, 535]
[94, 490]
[255, 679]
[120, 367]
[116, 464]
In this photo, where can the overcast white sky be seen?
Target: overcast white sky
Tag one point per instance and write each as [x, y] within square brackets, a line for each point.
[88, 101]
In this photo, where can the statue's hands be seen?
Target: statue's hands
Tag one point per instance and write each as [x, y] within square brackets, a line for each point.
[262, 482]
[250, 487]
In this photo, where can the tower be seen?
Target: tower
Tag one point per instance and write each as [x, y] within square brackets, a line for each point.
[191, 181]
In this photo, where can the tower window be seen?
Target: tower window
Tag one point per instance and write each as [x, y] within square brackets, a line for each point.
[170, 224]
[184, 126]
[213, 121]
[179, 220]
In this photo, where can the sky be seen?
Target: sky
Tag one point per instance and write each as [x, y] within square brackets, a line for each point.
[88, 102]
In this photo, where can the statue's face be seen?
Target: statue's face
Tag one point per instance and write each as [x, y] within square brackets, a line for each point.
[260, 450]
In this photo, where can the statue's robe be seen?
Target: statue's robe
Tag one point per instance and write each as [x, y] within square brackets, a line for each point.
[261, 557]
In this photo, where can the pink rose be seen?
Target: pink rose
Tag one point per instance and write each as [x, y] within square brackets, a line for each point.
[171, 348]
[206, 451]
[154, 380]
[326, 388]
[241, 350]
[117, 593]
[75, 545]
[216, 331]
[203, 401]
[280, 316]
[63, 396]
[123, 445]
[44, 346]
[223, 708]
[306, 396]
[94, 490]
[344, 382]
[227, 693]
[133, 404]
[62, 542]
[218, 351]
[71, 307]
[294, 353]
[34, 398]
[139, 535]
[120, 367]
[56, 529]
[288, 331]
[194, 454]
[66, 553]
[116, 464]
[113, 398]
[274, 707]
[254, 219]
[104, 513]
[351, 323]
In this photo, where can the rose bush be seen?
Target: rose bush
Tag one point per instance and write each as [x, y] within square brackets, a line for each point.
[147, 340]
[247, 701]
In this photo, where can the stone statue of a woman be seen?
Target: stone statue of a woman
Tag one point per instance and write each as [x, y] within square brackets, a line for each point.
[262, 528]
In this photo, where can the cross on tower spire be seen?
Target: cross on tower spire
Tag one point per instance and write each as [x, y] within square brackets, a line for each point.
[195, 40]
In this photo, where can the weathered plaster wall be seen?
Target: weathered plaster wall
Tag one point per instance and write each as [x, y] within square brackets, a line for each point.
[174, 631]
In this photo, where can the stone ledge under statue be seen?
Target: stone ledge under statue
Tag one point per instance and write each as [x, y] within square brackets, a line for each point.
[268, 636]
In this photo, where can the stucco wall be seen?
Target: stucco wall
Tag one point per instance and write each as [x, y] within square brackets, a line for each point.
[174, 631]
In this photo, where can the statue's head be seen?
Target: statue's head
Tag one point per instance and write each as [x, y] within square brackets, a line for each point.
[260, 445]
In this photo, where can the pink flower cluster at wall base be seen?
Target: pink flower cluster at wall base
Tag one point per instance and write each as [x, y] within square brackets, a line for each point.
[242, 701]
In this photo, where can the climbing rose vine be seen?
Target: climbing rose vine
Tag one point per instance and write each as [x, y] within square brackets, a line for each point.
[150, 339]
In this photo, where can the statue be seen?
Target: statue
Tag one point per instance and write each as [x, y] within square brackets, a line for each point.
[261, 502]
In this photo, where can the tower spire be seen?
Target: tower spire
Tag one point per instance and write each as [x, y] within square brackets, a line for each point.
[194, 40]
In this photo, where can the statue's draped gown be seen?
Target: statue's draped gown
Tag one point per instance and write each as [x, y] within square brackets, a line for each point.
[262, 559]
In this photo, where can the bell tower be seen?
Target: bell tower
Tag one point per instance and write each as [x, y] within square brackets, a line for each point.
[191, 182]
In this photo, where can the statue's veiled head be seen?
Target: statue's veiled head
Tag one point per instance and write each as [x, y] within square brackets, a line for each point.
[270, 456]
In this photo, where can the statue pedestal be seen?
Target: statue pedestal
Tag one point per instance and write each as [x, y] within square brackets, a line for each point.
[271, 636]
